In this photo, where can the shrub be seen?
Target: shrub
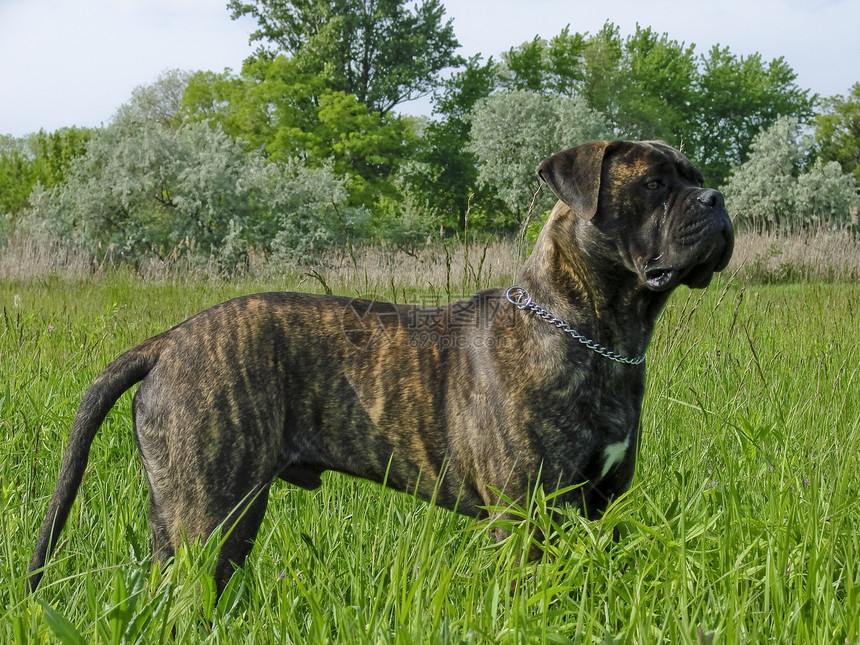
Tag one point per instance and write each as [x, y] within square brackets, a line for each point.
[513, 132]
[777, 189]
[146, 189]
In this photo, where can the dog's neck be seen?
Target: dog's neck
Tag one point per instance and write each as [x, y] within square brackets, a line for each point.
[576, 282]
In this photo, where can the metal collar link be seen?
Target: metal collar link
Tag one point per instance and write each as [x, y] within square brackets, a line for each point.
[522, 300]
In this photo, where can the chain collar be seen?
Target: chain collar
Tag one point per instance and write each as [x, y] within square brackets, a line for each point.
[519, 297]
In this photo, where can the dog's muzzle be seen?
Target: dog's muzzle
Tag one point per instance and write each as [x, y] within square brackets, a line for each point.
[698, 243]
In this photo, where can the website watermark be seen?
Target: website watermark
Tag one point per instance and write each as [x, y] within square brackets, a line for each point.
[474, 322]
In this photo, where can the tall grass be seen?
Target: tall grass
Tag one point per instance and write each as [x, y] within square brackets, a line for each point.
[809, 256]
[453, 265]
[742, 525]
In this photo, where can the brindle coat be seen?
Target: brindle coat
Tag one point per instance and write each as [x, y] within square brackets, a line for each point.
[451, 402]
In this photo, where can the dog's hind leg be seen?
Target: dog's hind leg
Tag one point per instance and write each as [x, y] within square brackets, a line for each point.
[238, 513]
[162, 549]
[195, 491]
[240, 529]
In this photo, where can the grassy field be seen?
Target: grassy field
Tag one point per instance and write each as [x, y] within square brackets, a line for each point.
[743, 523]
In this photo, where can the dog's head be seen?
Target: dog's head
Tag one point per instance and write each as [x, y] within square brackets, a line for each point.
[647, 199]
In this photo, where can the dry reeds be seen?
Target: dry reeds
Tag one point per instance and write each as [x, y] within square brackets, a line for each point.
[807, 256]
[447, 271]
[25, 259]
[442, 270]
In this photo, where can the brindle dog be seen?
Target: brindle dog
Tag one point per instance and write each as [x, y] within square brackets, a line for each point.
[453, 403]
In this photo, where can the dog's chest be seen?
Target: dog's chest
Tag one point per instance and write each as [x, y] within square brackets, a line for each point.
[610, 444]
[614, 453]
[596, 428]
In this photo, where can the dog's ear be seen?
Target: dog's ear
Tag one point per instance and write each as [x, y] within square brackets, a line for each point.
[574, 175]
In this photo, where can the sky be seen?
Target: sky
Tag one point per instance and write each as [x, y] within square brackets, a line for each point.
[65, 62]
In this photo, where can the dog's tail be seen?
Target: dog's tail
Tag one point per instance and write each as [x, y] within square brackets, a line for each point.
[128, 369]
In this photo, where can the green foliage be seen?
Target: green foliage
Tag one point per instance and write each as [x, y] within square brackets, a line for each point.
[837, 131]
[55, 153]
[645, 84]
[513, 132]
[271, 104]
[660, 92]
[601, 82]
[18, 176]
[778, 189]
[383, 52]
[545, 67]
[649, 86]
[39, 159]
[739, 97]
[274, 106]
[444, 170]
[360, 145]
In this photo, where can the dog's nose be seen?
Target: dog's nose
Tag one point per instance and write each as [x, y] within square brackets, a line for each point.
[711, 198]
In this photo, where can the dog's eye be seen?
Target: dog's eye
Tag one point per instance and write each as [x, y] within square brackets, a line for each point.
[652, 185]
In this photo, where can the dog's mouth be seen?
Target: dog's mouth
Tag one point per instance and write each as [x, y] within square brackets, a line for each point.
[660, 279]
[701, 248]
[695, 275]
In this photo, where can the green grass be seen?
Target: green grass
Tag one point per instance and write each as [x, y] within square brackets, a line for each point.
[743, 523]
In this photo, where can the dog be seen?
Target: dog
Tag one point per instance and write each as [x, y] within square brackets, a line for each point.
[540, 383]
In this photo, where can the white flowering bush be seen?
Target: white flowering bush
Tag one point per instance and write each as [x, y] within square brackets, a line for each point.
[826, 195]
[778, 189]
[145, 189]
[513, 132]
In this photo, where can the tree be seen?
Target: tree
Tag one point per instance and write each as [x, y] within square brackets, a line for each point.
[18, 175]
[545, 67]
[271, 103]
[444, 170]
[159, 102]
[738, 97]
[643, 85]
[359, 145]
[513, 132]
[39, 159]
[826, 196]
[381, 51]
[778, 189]
[55, 152]
[525, 68]
[649, 86]
[659, 88]
[837, 131]
[759, 192]
[152, 190]
[602, 79]
[279, 109]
